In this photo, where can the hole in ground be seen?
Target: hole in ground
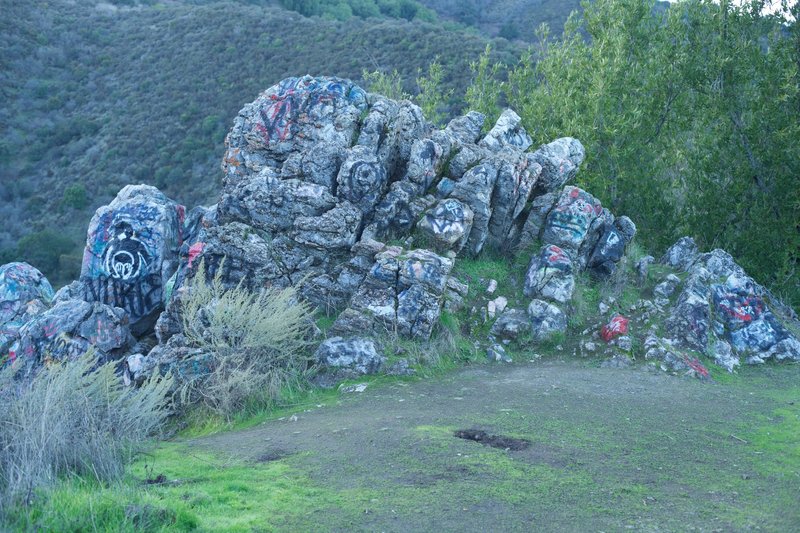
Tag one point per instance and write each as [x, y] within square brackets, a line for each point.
[495, 441]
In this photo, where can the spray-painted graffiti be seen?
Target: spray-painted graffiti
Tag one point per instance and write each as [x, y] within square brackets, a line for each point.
[737, 303]
[131, 251]
[569, 221]
[125, 257]
[616, 327]
[301, 97]
[139, 297]
[361, 181]
[550, 275]
[448, 223]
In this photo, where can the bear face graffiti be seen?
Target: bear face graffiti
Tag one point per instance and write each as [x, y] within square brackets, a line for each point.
[125, 257]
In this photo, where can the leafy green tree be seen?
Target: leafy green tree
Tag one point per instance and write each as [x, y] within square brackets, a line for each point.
[690, 118]
[433, 97]
[75, 196]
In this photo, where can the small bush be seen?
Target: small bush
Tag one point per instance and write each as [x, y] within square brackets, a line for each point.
[256, 343]
[73, 418]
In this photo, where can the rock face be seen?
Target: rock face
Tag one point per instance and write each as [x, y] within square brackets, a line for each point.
[550, 275]
[318, 177]
[131, 253]
[722, 312]
[357, 354]
[24, 294]
[70, 329]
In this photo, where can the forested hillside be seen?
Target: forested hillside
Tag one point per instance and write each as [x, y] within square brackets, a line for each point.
[96, 96]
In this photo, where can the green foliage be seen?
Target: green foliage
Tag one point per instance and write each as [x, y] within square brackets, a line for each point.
[689, 118]
[75, 196]
[433, 97]
[389, 85]
[257, 344]
[484, 92]
[43, 249]
[75, 418]
[345, 9]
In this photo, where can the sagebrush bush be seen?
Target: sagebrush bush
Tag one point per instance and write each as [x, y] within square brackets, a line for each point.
[73, 418]
[257, 343]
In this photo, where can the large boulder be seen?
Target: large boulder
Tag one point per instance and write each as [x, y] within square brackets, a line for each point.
[24, 294]
[546, 320]
[70, 329]
[550, 275]
[131, 253]
[570, 221]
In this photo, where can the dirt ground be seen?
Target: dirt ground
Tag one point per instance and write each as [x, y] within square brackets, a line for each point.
[610, 450]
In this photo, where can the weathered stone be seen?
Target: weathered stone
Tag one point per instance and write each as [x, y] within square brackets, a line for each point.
[131, 253]
[550, 275]
[70, 329]
[560, 160]
[269, 203]
[496, 353]
[475, 189]
[400, 368]
[534, 225]
[448, 224]
[294, 118]
[362, 179]
[24, 294]
[403, 292]
[724, 356]
[455, 294]
[609, 249]
[546, 320]
[514, 184]
[511, 324]
[689, 320]
[666, 288]
[507, 133]
[643, 267]
[682, 254]
[357, 354]
[569, 222]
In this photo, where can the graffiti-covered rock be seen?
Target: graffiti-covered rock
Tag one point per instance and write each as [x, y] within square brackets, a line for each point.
[403, 293]
[448, 224]
[70, 329]
[289, 123]
[131, 253]
[550, 275]
[357, 354]
[24, 294]
[569, 222]
[560, 161]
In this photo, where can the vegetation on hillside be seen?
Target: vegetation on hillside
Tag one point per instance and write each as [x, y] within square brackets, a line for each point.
[690, 120]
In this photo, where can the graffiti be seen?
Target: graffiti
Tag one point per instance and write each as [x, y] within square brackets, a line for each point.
[139, 297]
[363, 182]
[759, 335]
[616, 327]
[569, 221]
[20, 285]
[737, 303]
[125, 257]
[195, 251]
[301, 97]
[695, 364]
[554, 257]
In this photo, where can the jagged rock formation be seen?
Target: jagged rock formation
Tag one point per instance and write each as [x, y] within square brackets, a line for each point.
[318, 177]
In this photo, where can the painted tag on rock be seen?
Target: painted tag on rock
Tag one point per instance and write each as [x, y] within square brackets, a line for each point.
[131, 251]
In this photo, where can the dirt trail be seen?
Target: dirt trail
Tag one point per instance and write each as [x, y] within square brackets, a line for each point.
[610, 450]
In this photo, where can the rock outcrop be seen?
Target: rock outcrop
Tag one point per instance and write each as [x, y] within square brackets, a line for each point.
[320, 181]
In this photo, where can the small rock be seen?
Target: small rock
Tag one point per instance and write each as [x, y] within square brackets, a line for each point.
[356, 353]
[492, 286]
[546, 320]
[666, 288]
[603, 308]
[497, 353]
[618, 361]
[346, 389]
[400, 368]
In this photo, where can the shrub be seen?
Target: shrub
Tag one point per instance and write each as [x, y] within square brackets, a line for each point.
[257, 343]
[72, 418]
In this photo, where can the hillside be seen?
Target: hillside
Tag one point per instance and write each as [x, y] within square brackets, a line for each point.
[511, 19]
[96, 96]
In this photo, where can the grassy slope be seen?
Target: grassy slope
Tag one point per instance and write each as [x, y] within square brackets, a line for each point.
[103, 98]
